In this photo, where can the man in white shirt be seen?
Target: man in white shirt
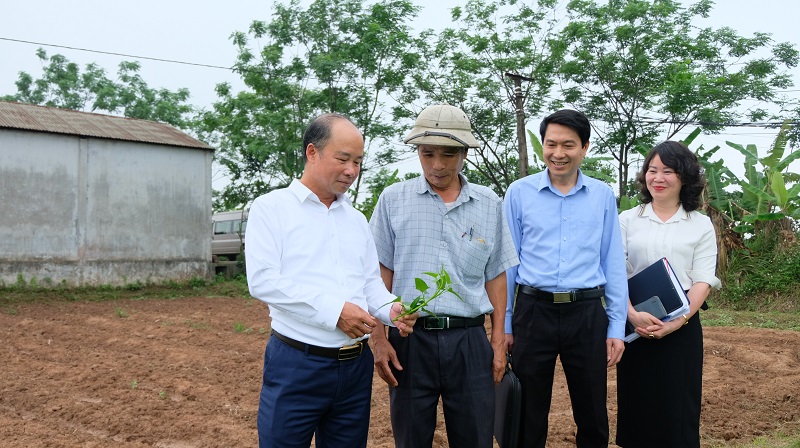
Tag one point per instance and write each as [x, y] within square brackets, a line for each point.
[311, 257]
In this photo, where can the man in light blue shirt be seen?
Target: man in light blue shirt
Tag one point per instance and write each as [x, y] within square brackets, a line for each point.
[568, 297]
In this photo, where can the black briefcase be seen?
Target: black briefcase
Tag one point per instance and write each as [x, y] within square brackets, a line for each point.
[508, 404]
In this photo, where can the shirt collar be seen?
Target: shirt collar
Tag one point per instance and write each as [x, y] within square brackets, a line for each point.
[465, 194]
[301, 192]
[648, 212]
[545, 182]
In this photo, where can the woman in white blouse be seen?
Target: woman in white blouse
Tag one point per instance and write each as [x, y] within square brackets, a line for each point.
[659, 380]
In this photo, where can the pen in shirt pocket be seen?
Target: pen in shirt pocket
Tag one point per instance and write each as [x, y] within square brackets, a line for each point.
[471, 233]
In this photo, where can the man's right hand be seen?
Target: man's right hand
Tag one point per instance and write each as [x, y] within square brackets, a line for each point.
[355, 322]
[383, 352]
[509, 342]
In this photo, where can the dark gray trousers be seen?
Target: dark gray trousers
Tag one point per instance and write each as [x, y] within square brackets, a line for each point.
[455, 364]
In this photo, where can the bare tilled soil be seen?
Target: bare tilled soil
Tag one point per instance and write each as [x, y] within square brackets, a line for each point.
[186, 373]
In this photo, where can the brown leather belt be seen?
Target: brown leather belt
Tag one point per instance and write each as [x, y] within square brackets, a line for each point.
[341, 353]
[562, 296]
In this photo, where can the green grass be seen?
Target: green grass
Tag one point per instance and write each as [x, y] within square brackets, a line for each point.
[24, 292]
[777, 440]
[120, 312]
[242, 328]
[720, 317]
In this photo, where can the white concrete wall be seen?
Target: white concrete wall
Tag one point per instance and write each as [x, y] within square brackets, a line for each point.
[96, 211]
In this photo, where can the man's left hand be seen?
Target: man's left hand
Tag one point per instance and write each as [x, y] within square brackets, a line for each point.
[614, 349]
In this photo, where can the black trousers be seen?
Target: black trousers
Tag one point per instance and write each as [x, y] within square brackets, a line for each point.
[575, 332]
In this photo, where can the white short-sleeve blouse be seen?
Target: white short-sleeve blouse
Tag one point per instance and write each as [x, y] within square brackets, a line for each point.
[687, 240]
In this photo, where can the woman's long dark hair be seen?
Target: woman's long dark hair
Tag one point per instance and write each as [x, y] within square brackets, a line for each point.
[680, 158]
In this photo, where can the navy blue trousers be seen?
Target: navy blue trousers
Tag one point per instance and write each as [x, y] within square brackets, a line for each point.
[305, 395]
[455, 365]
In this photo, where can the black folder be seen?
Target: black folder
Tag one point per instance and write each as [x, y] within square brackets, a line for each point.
[508, 406]
[660, 280]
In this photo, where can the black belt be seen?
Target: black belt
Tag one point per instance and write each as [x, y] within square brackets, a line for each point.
[448, 322]
[341, 353]
[562, 296]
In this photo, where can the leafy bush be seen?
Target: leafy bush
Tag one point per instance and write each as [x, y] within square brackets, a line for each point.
[768, 267]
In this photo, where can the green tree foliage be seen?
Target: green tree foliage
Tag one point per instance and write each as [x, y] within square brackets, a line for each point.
[63, 85]
[635, 66]
[465, 65]
[340, 56]
[377, 183]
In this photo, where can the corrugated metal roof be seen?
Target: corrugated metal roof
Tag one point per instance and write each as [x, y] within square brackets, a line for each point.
[64, 121]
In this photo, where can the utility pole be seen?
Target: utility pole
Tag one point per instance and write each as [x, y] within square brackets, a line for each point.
[522, 141]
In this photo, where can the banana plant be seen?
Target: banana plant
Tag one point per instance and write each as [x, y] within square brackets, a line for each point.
[768, 190]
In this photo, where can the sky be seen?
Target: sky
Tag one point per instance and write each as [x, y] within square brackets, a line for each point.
[198, 32]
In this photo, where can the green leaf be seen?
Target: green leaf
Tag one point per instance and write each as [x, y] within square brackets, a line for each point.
[760, 194]
[421, 285]
[450, 290]
[536, 144]
[692, 135]
[398, 299]
[779, 189]
[770, 216]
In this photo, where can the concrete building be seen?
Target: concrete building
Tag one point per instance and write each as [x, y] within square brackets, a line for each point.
[89, 199]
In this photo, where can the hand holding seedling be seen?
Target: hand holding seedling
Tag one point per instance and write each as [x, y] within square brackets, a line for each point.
[443, 285]
[383, 351]
[403, 322]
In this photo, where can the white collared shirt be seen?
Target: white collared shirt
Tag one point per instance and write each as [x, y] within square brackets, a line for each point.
[306, 260]
[687, 240]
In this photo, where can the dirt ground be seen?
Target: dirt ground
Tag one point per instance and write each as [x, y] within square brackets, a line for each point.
[186, 373]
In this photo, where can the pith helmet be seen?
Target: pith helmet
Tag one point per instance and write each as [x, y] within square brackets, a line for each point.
[442, 125]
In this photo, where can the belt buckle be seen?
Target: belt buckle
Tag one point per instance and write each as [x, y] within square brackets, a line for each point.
[436, 323]
[562, 297]
[350, 351]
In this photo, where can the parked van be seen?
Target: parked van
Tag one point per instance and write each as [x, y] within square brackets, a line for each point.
[227, 237]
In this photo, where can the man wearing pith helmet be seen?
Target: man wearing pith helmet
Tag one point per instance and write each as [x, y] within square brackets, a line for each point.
[421, 225]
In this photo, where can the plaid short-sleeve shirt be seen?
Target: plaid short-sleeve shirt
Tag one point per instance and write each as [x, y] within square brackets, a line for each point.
[416, 232]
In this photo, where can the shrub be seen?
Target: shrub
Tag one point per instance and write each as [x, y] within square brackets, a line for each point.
[768, 266]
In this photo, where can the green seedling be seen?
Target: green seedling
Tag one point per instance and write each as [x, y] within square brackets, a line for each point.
[121, 313]
[443, 285]
[242, 328]
[134, 384]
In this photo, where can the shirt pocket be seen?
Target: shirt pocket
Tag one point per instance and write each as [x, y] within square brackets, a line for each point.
[472, 256]
[588, 236]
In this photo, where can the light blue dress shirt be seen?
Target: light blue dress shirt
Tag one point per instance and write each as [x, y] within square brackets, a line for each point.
[567, 242]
